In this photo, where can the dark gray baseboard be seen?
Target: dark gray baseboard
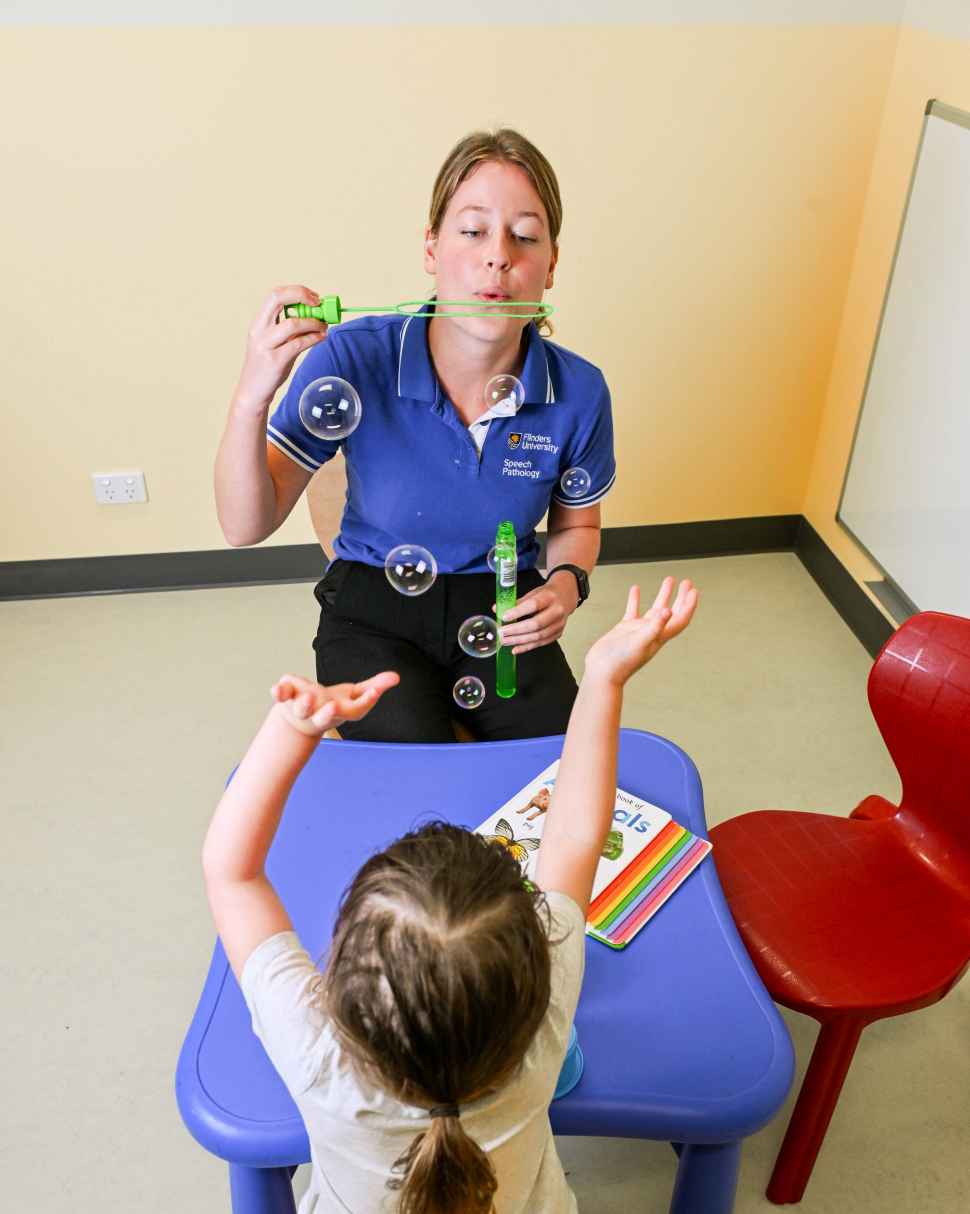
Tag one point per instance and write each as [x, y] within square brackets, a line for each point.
[161, 571]
[307, 562]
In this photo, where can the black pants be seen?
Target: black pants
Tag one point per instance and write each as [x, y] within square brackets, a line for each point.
[366, 626]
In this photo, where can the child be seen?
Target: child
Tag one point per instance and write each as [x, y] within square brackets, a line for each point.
[424, 1059]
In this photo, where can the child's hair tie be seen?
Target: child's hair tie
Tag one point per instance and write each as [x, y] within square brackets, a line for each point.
[444, 1110]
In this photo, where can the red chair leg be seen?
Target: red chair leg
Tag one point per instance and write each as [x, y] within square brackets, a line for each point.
[813, 1110]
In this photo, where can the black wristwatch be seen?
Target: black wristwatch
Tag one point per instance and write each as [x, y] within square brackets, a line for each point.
[582, 580]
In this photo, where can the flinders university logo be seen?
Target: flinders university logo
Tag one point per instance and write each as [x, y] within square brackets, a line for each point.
[514, 441]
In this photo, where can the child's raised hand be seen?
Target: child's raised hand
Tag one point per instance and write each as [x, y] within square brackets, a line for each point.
[313, 709]
[632, 642]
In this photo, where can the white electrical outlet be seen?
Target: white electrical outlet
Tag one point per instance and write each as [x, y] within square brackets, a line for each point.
[119, 488]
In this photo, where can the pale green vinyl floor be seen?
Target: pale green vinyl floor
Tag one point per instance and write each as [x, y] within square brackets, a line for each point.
[121, 717]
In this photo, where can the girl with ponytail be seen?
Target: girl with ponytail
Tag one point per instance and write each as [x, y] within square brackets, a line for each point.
[424, 1057]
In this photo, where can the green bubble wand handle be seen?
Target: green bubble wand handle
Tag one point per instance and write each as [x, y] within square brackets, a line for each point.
[332, 311]
[506, 565]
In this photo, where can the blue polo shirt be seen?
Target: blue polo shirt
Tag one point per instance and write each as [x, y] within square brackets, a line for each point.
[415, 473]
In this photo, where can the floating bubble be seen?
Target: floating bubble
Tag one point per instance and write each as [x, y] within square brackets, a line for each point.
[330, 408]
[575, 482]
[490, 559]
[479, 636]
[502, 388]
[469, 692]
[410, 569]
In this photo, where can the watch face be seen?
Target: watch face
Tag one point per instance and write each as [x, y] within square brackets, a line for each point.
[582, 581]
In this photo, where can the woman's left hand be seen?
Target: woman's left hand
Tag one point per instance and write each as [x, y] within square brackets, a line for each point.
[539, 617]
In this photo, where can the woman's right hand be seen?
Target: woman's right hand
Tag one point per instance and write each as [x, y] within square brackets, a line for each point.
[274, 344]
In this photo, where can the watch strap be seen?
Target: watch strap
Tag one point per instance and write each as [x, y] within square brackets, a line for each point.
[581, 576]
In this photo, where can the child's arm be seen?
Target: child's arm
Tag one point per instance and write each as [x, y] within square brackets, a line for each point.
[244, 905]
[581, 811]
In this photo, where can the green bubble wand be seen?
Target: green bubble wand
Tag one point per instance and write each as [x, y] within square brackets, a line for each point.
[332, 311]
[506, 566]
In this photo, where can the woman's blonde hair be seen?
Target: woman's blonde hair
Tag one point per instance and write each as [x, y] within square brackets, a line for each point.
[437, 980]
[508, 147]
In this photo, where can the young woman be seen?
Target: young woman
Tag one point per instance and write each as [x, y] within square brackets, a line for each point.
[433, 463]
[424, 1058]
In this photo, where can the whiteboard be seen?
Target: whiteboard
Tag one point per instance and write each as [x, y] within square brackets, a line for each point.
[906, 494]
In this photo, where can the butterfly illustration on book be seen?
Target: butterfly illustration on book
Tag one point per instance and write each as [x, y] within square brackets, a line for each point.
[504, 837]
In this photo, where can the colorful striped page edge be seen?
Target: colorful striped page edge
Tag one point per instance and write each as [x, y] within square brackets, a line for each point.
[622, 932]
[637, 884]
[639, 864]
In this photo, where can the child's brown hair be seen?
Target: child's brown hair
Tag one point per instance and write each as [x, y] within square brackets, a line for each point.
[436, 982]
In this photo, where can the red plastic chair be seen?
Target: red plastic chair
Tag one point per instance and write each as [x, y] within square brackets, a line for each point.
[850, 920]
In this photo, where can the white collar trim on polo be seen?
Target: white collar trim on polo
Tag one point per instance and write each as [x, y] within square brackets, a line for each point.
[550, 393]
[479, 427]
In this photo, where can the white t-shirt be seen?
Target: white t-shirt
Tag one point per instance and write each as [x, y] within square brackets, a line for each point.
[357, 1131]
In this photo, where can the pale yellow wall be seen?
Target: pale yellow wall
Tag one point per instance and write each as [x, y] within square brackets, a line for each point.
[714, 180]
[926, 66]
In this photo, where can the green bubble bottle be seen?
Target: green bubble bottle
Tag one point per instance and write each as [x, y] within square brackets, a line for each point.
[506, 567]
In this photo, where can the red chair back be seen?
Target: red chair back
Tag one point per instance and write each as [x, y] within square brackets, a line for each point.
[919, 693]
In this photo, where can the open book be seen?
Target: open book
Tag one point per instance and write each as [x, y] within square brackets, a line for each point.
[647, 855]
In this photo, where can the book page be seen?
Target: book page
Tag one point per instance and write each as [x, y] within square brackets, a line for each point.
[519, 822]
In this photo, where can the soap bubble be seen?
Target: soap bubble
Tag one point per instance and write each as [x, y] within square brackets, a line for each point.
[502, 388]
[490, 559]
[469, 692]
[575, 482]
[330, 408]
[410, 569]
[479, 636]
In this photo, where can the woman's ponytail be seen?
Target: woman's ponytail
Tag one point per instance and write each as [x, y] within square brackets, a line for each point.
[444, 1171]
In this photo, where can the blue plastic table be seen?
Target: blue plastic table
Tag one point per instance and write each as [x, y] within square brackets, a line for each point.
[681, 1041]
